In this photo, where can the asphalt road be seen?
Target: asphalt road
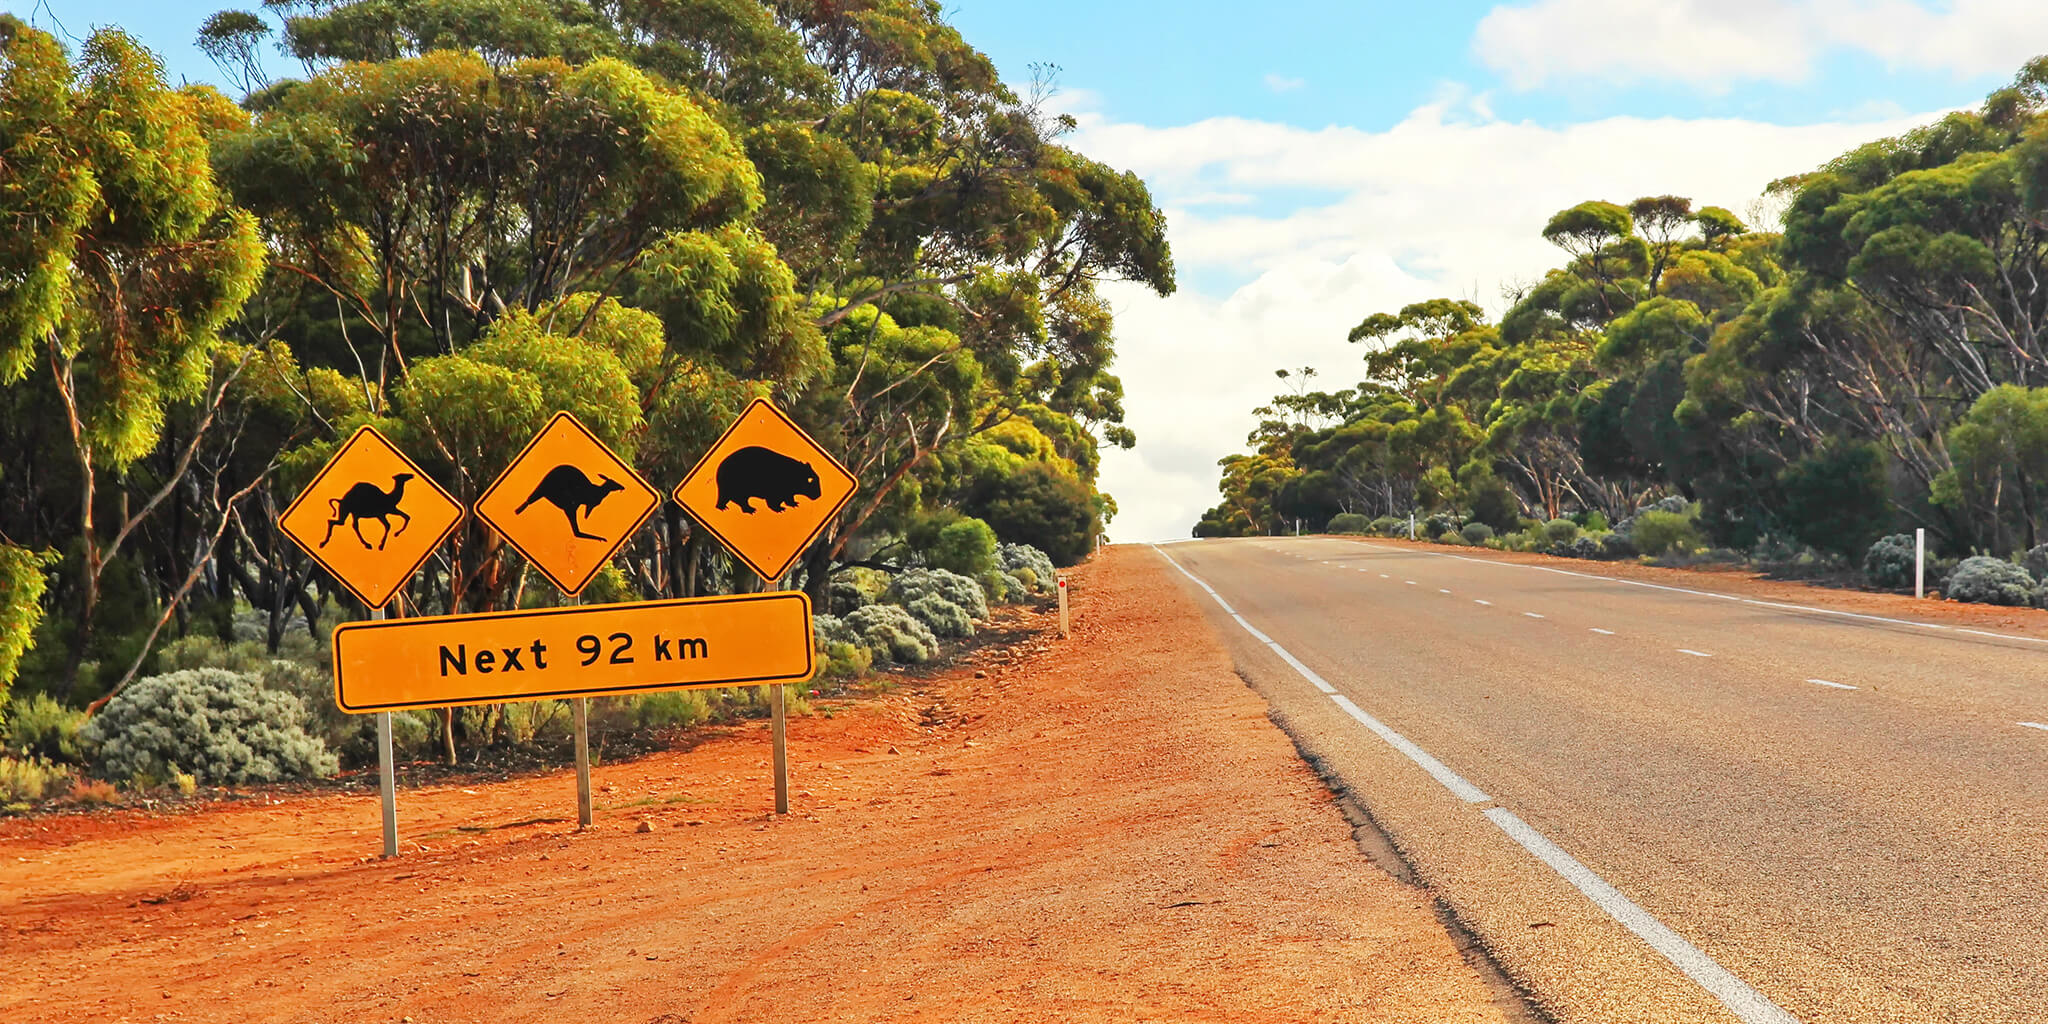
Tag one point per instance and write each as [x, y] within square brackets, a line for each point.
[1663, 806]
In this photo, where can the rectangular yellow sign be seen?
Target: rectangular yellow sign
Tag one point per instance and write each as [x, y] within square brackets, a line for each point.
[587, 651]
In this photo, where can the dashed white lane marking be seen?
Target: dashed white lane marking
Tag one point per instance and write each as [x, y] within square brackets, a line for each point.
[1747, 1003]
[1384, 576]
[1532, 615]
[1696, 654]
[1602, 632]
[2035, 725]
[1489, 604]
[1441, 590]
[1838, 686]
[1722, 597]
[1409, 582]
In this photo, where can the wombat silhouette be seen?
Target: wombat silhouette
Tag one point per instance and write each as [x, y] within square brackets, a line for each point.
[368, 501]
[757, 472]
[566, 488]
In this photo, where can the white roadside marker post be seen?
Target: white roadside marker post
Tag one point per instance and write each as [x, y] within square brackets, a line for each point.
[1411, 524]
[1920, 562]
[1063, 606]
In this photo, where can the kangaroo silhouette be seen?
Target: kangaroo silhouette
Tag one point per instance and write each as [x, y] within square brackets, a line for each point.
[368, 501]
[566, 488]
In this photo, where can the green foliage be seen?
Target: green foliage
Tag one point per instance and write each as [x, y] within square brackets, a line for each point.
[1889, 562]
[945, 618]
[1030, 567]
[1658, 532]
[1388, 526]
[222, 727]
[39, 727]
[1476, 533]
[22, 581]
[965, 546]
[30, 780]
[1043, 507]
[1985, 580]
[847, 661]
[1560, 531]
[1348, 522]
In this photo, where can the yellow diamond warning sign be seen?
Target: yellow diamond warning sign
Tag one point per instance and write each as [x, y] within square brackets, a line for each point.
[567, 503]
[370, 517]
[765, 489]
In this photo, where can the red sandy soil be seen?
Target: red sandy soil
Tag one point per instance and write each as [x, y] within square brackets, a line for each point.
[1105, 828]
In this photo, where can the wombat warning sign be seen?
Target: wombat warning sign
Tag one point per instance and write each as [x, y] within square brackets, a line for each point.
[766, 489]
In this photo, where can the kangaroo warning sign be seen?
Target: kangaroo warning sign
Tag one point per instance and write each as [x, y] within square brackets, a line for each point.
[567, 503]
[765, 489]
[370, 517]
[585, 651]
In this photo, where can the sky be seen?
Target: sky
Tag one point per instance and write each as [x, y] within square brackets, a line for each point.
[1321, 161]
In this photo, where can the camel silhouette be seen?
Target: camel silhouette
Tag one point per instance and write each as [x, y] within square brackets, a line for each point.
[566, 488]
[368, 501]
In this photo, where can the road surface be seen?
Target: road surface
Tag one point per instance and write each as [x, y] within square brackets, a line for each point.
[1657, 805]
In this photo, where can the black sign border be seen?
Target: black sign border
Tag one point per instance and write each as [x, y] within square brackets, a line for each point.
[704, 521]
[810, 650]
[624, 538]
[418, 474]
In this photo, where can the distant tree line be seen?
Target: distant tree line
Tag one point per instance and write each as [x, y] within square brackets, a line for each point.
[1880, 362]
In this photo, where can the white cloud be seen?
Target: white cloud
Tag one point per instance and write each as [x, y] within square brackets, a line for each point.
[1712, 44]
[1283, 83]
[1430, 207]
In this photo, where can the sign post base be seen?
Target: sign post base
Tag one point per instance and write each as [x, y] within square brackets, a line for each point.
[780, 728]
[583, 762]
[387, 784]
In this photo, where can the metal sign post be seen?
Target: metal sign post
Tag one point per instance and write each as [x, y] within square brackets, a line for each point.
[387, 778]
[1063, 606]
[582, 712]
[780, 729]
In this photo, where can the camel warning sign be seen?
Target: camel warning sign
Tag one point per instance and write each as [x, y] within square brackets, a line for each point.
[567, 503]
[584, 651]
[765, 489]
[370, 517]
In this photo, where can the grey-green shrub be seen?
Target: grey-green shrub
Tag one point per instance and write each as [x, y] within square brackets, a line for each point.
[1986, 580]
[222, 727]
[857, 587]
[1349, 522]
[1438, 524]
[1889, 562]
[1476, 533]
[944, 617]
[1617, 545]
[1561, 531]
[912, 584]
[1388, 526]
[1585, 545]
[2035, 561]
[1658, 532]
[1017, 557]
[892, 634]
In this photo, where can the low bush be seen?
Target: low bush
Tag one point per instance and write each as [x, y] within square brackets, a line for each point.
[1349, 522]
[30, 780]
[2035, 561]
[944, 617]
[1585, 545]
[1476, 533]
[1388, 526]
[892, 634]
[912, 584]
[1438, 524]
[222, 727]
[1617, 545]
[1986, 580]
[965, 546]
[1018, 558]
[39, 727]
[1561, 531]
[1659, 532]
[857, 588]
[1592, 521]
[847, 661]
[1889, 562]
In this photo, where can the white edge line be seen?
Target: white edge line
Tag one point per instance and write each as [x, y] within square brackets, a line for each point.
[2035, 725]
[1747, 1003]
[1602, 632]
[1489, 604]
[1696, 654]
[1451, 780]
[1721, 597]
[1838, 686]
[1532, 615]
